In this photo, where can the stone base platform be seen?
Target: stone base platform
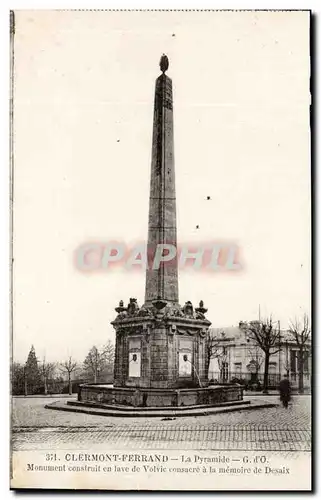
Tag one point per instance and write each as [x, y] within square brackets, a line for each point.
[159, 398]
[107, 400]
[167, 412]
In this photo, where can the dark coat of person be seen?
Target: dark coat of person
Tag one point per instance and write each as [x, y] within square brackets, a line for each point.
[285, 389]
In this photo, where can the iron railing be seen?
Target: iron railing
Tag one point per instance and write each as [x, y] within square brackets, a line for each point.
[256, 379]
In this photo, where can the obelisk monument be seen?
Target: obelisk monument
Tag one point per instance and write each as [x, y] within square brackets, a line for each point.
[161, 344]
[162, 278]
[161, 355]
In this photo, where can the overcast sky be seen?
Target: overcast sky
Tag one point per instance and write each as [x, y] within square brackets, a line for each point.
[84, 91]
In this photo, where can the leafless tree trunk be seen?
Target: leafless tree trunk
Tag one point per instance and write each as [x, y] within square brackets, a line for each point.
[213, 348]
[267, 337]
[69, 384]
[287, 364]
[46, 372]
[257, 355]
[96, 360]
[109, 353]
[301, 334]
[69, 366]
[266, 371]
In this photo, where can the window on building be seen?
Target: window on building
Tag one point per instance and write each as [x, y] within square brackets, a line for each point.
[272, 368]
[272, 374]
[224, 371]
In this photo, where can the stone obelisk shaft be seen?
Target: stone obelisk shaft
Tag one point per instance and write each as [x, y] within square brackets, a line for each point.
[162, 283]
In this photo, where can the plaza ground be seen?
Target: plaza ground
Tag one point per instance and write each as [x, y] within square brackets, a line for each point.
[270, 429]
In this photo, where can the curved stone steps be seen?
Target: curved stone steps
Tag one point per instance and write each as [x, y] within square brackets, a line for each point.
[113, 411]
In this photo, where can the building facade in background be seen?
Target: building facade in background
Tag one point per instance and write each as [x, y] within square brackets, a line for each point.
[236, 357]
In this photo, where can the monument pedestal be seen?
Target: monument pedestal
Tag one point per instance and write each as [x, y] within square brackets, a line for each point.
[160, 361]
[160, 348]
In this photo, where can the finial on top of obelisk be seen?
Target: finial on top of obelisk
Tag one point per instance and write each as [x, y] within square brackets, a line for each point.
[164, 63]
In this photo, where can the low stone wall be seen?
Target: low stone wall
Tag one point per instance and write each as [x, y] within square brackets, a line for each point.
[159, 397]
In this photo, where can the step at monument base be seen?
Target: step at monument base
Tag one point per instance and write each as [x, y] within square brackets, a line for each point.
[172, 412]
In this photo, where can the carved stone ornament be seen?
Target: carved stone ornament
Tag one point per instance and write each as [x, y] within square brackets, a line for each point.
[132, 307]
[145, 312]
[201, 311]
[203, 333]
[188, 309]
[121, 310]
[189, 331]
[173, 311]
[159, 304]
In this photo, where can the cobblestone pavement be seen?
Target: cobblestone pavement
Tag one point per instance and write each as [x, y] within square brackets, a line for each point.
[275, 429]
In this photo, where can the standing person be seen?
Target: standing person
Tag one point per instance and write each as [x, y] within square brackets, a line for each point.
[285, 391]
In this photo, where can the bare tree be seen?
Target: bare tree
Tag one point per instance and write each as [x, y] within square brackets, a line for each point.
[222, 357]
[95, 362]
[267, 337]
[69, 367]
[215, 350]
[47, 371]
[256, 354]
[287, 364]
[300, 332]
[109, 353]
